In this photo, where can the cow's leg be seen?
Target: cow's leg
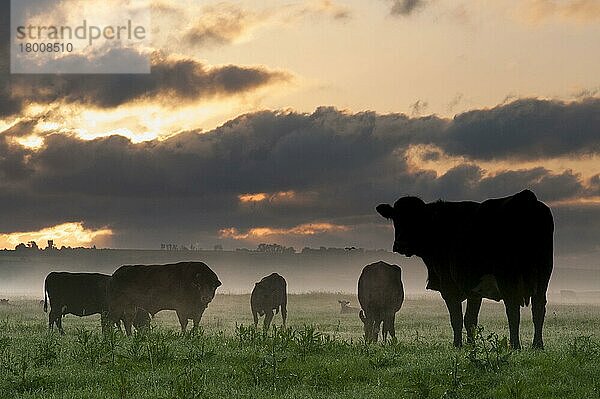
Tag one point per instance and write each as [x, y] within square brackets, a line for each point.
[454, 306]
[513, 313]
[388, 326]
[196, 321]
[128, 315]
[471, 315]
[538, 312]
[196, 317]
[183, 321]
[268, 319]
[52, 316]
[59, 324]
[255, 317]
[127, 326]
[284, 313]
[104, 322]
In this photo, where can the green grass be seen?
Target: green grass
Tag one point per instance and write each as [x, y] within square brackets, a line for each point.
[320, 355]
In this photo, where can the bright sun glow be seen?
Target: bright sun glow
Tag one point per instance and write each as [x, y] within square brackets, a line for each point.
[72, 234]
[32, 141]
[143, 121]
[253, 197]
[6, 125]
[307, 229]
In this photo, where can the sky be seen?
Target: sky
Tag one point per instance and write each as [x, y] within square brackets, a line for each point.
[289, 121]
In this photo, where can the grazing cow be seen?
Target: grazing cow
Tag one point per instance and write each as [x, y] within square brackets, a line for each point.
[501, 249]
[346, 308]
[269, 294]
[186, 287]
[81, 294]
[3, 301]
[380, 293]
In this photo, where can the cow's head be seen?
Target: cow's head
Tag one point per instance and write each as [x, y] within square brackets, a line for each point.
[371, 328]
[206, 287]
[409, 217]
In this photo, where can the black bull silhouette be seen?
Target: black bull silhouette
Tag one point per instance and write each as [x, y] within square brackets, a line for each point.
[501, 249]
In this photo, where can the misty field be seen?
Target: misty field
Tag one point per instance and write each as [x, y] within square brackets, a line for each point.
[321, 354]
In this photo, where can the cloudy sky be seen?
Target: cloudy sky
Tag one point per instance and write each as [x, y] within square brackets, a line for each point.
[288, 121]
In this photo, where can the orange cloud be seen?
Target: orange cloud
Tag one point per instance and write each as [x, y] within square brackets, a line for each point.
[278, 197]
[72, 234]
[588, 201]
[307, 229]
[258, 197]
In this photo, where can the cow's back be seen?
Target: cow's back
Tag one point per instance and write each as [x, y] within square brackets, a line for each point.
[380, 287]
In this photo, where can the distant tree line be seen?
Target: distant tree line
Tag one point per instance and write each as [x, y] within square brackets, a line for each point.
[32, 246]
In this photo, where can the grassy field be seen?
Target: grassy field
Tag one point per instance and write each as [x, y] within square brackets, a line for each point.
[320, 355]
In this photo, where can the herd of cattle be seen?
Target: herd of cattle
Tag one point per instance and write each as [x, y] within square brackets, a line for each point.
[500, 249]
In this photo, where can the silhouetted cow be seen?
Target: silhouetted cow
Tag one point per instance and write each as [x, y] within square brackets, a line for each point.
[186, 287]
[269, 294]
[380, 293]
[81, 294]
[501, 249]
[345, 308]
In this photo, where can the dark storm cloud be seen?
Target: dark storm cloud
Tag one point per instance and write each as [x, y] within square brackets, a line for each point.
[340, 165]
[525, 129]
[8, 105]
[13, 158]
[184, 79]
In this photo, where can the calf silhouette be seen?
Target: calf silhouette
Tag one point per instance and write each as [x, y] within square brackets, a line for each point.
[345, 308]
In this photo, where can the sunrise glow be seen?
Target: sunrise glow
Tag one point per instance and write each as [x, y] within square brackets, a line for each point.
[307, 229]
[72, 234]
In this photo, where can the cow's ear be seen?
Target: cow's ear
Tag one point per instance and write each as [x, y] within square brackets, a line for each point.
[385, 210]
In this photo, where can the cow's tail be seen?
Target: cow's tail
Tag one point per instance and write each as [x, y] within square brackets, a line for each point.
[45, 297]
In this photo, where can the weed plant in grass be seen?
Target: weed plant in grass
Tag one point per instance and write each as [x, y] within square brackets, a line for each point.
[320, 355]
